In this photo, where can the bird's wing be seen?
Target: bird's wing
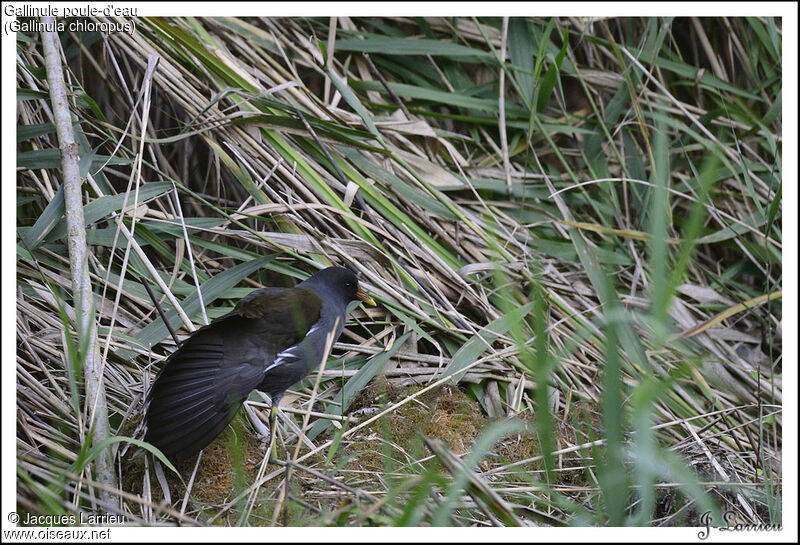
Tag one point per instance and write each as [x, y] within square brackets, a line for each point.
[205, 381]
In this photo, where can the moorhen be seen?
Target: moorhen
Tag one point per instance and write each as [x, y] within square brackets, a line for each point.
[272, 339]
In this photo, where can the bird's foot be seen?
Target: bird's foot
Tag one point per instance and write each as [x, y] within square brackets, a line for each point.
[273, 460]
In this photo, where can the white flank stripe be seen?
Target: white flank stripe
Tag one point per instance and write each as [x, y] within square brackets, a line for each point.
[287, 354]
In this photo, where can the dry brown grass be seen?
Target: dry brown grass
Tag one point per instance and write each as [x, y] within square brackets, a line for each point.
[423, 213]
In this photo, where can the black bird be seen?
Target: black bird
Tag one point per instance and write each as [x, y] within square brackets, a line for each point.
[272, 339]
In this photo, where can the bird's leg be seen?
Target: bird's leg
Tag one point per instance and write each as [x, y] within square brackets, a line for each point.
[273, 421]
[273, 427]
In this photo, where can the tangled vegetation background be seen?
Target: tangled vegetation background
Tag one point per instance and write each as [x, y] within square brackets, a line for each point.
[572, 228]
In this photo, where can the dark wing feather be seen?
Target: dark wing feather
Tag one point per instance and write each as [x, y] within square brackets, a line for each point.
[205, 381]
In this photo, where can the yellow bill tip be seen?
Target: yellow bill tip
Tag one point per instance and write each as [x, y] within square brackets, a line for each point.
[363, 296]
